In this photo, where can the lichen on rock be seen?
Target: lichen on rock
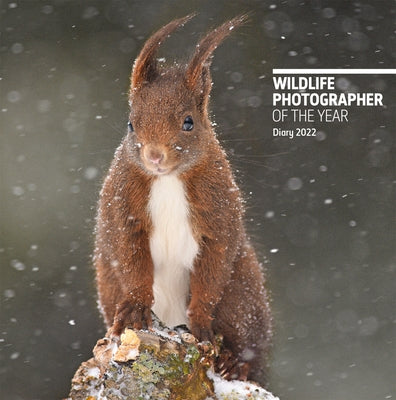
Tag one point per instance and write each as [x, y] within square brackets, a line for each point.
[128, 348]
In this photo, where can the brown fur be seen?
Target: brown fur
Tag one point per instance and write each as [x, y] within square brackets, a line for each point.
[227, 292]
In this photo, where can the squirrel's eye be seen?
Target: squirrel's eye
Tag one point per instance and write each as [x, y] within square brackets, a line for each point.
[188, 123]
[130, 126]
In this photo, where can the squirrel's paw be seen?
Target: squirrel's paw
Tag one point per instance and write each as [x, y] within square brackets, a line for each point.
[137, 316]
[230, 368]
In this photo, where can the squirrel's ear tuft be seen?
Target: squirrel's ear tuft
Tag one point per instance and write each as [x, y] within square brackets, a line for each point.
[198, 68]
[145, 66]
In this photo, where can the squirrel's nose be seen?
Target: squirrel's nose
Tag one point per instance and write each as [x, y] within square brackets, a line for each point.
[154, 154]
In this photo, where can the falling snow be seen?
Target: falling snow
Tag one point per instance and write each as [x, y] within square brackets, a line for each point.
[320, 211]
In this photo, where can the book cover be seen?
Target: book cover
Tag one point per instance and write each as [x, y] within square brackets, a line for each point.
[304, 101]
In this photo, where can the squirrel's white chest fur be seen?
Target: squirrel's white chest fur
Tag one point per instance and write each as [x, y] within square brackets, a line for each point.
[173, 249]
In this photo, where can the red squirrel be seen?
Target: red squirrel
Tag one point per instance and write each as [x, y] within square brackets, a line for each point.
[170, 235]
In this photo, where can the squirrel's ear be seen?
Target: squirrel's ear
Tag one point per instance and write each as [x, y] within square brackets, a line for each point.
[145, 66]
[197, 73]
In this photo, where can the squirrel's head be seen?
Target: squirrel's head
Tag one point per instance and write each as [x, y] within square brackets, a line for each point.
[169, 127]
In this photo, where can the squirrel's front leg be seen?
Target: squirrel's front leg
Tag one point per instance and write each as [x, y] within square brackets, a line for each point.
[136, 275]
[210, 275]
